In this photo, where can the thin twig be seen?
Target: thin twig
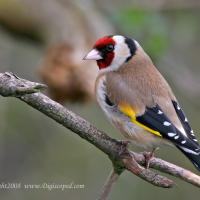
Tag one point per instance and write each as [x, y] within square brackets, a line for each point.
[132, 165]
[107, 188]
[169, 168]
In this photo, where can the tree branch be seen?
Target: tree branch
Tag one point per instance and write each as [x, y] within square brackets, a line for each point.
[117, 151]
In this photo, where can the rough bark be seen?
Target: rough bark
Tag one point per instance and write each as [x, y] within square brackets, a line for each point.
[121, 157]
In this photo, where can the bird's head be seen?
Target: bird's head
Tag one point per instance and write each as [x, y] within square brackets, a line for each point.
[112, 51]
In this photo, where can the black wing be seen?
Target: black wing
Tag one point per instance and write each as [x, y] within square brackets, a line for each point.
[156, 119]
[184, 121]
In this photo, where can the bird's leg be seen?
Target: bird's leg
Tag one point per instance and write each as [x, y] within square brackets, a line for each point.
[148, 156]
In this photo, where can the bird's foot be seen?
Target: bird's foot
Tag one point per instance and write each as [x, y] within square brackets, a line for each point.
[148, 156]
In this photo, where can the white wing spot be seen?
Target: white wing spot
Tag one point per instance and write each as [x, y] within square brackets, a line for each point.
[195, 140]
[160, 112]
[166, 123]
[171, 134]
[191, 131]
[176, 137]
[178, 107]
[186, 120]
[183, 142]
[192, 134]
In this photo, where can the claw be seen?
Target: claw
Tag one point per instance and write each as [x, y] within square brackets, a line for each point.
[148, 156]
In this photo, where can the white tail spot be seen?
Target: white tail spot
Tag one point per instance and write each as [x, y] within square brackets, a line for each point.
[189, 151]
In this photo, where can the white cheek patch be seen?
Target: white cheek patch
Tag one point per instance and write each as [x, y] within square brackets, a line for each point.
[121, 51]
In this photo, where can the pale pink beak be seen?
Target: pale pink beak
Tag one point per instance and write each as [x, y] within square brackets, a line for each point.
[93, 55]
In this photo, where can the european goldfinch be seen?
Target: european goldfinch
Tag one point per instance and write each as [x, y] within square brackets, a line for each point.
[137, 99]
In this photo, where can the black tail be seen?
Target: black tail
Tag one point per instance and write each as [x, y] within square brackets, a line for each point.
[194, 157]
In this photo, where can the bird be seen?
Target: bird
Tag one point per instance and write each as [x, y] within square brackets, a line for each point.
[138, 100]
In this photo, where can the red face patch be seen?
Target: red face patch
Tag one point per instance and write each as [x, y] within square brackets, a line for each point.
[103, 63]
[102, 45]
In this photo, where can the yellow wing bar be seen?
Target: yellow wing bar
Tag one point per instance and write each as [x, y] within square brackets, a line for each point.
[128, 110]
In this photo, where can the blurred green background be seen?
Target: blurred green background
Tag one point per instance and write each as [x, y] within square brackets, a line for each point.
[33, 148]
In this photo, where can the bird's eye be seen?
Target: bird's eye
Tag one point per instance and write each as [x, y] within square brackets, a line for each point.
[109, 47]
